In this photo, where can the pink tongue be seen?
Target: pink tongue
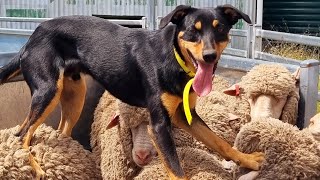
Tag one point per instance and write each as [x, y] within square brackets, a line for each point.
[202, 83]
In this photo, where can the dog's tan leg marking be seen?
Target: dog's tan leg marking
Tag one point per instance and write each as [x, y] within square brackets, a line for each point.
[172, 176]
[202, 132]
[23, 124]
[72, 101]
[171, 103]
[26, 140]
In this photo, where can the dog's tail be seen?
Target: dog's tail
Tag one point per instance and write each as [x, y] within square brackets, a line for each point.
[12, 69]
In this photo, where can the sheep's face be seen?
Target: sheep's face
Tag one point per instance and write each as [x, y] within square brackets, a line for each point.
[266, 106]
[143, 150]
[314, 126]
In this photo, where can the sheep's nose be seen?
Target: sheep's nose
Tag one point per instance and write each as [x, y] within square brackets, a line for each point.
[143, 155]
[209, 55]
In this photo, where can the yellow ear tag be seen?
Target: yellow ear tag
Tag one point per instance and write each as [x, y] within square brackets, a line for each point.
[186, 105]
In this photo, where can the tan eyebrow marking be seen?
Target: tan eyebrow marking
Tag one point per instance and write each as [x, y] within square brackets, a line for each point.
[215, 23]
[198, 25]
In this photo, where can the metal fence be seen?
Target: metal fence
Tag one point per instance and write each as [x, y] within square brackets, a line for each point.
[148, 8]
[151, 9]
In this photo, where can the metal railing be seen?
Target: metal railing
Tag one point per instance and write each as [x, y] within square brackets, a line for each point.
[260, 34]
[142, 21]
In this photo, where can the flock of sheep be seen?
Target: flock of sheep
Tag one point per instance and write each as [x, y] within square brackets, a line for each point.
[256, 114]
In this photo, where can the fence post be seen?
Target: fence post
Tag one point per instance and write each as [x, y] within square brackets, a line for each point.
[151, 14]
[256, 40]
[144, 23]
[309, 76]
[249, 41]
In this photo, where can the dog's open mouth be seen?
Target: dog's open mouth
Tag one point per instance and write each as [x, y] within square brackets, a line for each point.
[202, 83]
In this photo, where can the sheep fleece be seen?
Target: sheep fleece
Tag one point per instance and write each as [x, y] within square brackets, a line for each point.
[196, 163]
[58, 155]
[290, 153]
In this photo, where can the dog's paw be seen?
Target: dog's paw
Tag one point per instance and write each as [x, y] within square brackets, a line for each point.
[40, 174]
[178, 178]
[252, 161]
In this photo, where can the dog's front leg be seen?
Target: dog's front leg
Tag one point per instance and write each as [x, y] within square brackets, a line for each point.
[203, 133]
[161, 135]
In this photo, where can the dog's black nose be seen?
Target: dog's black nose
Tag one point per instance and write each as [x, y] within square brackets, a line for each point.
[209, 55]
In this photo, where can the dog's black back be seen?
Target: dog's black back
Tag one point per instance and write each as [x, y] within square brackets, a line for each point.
[124, 60]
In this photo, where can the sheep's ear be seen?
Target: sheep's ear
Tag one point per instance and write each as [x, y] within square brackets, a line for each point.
[175, 16]
[233, 117]
[296, 75]
[114, 121]
[233, 14]
[234, 90]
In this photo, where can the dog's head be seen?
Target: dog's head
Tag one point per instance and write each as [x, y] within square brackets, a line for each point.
[202, 35]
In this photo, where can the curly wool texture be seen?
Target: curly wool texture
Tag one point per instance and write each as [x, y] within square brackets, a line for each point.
[269, 79]
[58, 155]
[214, 109]
[219, 83]
[275, 80]
[290, 153]
[196, 163]
[113, 147]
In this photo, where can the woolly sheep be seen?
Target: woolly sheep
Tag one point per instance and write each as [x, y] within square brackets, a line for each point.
[116, 156]
[314, 126]
[271, 91]
[195, 158]
[218, 117]
[290, 153]
[198, 164]
[117, 148]
[58, 155]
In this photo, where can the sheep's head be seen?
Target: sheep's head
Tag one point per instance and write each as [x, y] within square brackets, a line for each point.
[135, 120]
[314, 126]
[271, 92]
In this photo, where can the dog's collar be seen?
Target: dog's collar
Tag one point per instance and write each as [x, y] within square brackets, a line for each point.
[185, 101]
[182, 64]
[186, 90]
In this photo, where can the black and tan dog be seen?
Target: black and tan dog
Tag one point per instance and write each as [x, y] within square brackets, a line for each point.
[135, 65]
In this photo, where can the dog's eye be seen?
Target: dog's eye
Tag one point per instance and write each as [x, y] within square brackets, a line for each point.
[191, 35]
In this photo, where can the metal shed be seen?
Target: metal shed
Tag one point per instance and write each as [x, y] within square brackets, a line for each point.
[294, 16]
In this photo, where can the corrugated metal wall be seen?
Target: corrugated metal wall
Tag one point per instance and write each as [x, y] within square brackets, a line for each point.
[55, 8]
[149, 8]
[294, 16]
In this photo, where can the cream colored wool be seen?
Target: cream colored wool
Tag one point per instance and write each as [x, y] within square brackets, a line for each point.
[113, 147]
[215, 108]
[289, 152]
[114, 150]
[219, 83]
[314, 126]
[58, 155]
[275, 80]
[196, 163]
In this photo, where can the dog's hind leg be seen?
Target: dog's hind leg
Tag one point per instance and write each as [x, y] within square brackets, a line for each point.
[72, 101]
[45, 97]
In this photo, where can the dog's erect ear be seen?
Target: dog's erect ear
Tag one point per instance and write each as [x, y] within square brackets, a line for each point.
[175, 16]
[233, 14]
